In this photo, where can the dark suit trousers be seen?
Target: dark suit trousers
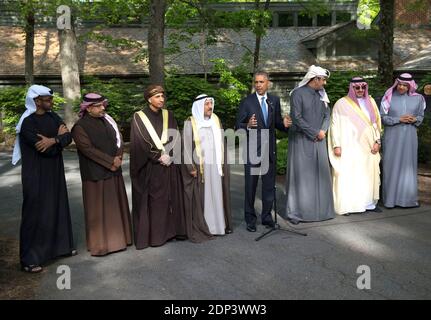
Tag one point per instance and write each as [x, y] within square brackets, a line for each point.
[268, 183]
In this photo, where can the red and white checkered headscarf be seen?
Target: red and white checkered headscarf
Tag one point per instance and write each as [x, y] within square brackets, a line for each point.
[405, 78]
[92, 98]
[358, 81]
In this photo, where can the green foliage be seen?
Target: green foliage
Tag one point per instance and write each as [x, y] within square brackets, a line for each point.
[364, 35]
[44, 11]
[238, 19]
[259, 21]
[114, 12]
[312, 7]
[179, 12]
[282, 156]
[12, 105]
[200, 12]
[233, 84]
[368, 11]
[281, 134]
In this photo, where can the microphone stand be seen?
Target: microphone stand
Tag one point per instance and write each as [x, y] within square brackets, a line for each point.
[274, 150]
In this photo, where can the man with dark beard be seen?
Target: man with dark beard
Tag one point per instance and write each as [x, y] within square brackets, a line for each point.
[46, 228]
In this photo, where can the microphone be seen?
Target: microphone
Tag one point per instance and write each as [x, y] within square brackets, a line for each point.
[269, 103]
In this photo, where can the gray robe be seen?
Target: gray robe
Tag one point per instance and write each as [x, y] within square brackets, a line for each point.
[308, 177]
[400, 151]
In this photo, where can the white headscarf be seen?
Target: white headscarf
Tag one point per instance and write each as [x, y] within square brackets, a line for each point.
[33, 92]
[198, 114]
[315, 71]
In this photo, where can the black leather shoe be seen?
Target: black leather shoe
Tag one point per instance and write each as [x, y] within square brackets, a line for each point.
[295, 222]
[228, 231]
[376, 209]
[251, 228]
[269, 225]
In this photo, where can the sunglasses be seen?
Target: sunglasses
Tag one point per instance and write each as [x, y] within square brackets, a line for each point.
[360, 87]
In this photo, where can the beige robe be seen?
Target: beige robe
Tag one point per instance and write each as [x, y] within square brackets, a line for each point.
[356, 174]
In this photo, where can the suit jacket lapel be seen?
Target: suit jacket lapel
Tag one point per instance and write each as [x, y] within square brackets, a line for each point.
[270, 110]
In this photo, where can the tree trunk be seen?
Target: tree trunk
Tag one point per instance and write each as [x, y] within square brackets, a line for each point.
[69, 73]
[29, 45]
[156, 32]
[203, 53]
[259, 35]
[386, 25]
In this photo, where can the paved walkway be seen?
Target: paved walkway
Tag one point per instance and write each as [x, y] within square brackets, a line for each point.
[394, 244]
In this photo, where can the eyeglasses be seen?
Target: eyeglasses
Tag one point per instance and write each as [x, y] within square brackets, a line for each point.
[363, 87]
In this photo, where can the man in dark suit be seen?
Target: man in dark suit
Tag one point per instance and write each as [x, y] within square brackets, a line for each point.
[260, 111]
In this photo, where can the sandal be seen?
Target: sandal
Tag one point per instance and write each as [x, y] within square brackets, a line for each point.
[72, 253]
[33, 268]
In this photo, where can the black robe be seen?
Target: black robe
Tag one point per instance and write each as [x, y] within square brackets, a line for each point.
[46, 228]
[157, 190]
